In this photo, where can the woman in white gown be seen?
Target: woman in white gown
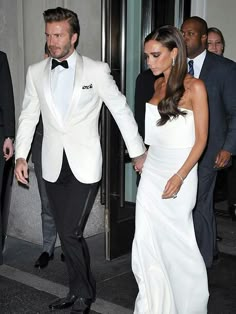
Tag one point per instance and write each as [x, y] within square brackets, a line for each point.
[166, 261]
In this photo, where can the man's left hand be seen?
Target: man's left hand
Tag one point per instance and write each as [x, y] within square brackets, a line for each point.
[8, 148]
[222, 159]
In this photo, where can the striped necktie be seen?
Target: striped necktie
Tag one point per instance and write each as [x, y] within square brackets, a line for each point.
[190, 67]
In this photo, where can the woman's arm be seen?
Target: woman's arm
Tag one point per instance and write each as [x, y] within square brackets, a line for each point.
[198, 98]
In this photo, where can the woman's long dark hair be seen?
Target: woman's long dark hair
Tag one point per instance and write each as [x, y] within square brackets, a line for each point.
[170, 37]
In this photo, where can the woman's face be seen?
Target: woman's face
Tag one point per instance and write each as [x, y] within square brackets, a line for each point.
[215, 44]
[159, 58]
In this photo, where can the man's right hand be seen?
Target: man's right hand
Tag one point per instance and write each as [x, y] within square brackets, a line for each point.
[21, 171]
[138, 162]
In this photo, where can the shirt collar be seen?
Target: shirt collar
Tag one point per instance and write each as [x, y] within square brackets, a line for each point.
[198, 62]
[72, 60]
[199, 59]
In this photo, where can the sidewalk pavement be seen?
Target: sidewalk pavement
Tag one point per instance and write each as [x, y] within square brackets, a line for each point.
[27, 290]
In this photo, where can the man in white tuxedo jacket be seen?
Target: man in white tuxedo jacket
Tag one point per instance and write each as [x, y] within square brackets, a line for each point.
[68, 90]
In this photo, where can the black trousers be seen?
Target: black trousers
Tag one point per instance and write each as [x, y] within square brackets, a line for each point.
[71, 202]
[226, 184]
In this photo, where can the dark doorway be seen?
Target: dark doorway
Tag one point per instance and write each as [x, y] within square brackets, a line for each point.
[117, 17]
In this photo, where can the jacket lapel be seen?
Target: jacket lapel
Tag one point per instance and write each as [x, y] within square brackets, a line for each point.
[48, 92]
[206, 67]
[77, 86]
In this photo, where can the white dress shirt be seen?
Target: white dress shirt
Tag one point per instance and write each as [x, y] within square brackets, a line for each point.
[62, 83]
[197, 63]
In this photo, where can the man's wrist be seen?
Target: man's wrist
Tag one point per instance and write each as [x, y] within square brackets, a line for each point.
[134, 159]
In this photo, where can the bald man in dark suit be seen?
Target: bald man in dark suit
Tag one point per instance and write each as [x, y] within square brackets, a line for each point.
[219, 76]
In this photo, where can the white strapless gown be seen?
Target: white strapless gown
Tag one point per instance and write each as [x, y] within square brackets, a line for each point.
[166, 261]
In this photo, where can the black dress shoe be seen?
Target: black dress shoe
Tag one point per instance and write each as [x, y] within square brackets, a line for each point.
[63, 303]
[81, 306]
[43, 260]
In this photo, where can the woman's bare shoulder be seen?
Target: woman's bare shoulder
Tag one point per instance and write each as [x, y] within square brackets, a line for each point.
[193, 84]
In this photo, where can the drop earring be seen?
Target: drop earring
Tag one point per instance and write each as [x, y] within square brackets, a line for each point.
[173, 62]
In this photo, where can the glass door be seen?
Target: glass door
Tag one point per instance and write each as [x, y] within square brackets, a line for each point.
[125, 24]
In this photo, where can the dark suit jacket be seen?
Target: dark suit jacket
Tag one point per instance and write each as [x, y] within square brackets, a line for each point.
[7, 129]
[219, 76]
[7, 109]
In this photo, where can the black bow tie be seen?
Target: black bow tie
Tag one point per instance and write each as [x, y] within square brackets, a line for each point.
[55, 63]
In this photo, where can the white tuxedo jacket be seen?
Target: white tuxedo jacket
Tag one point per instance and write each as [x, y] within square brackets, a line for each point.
[77, 133]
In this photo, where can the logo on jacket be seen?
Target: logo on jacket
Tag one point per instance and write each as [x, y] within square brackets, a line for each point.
[87, 86]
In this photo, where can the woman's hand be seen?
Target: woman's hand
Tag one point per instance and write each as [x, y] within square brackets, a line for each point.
[173, 186]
